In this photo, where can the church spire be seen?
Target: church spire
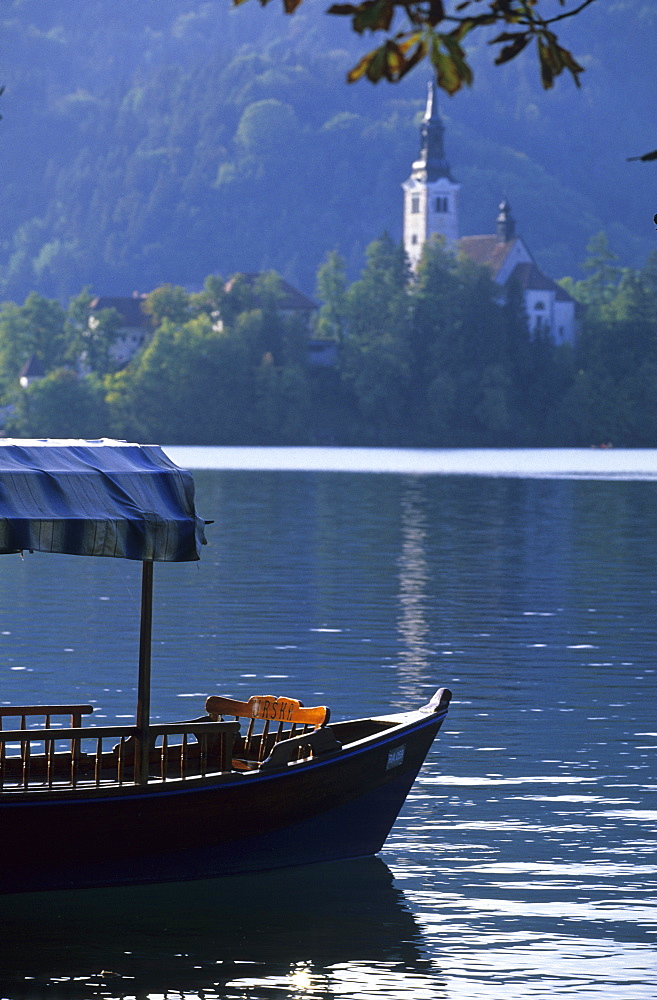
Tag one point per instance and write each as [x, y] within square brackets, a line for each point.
[505, 223]
[432, 140]
[430, 193]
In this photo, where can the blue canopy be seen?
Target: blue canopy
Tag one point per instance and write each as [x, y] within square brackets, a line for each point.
[97, 498]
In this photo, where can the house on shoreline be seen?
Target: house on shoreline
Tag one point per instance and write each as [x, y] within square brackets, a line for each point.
[136, 325]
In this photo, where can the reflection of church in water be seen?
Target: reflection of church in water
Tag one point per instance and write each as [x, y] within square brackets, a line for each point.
[414, 584]
[431, 208]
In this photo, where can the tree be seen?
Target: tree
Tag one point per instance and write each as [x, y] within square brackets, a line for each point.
[35, 329]
[191, 383]
[435, 309]
[461, 378]
[210, 301]
[261, 127]
[281, 412]
[636, 297]
[61, 405]
[604, 274]
[377, 304]
[168, 302]
[90, 335]
[613, 396]
[374, 359]
[332, 290]
[437, 29]
[238, 298]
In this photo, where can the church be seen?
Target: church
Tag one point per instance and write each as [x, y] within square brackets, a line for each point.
[431, 207]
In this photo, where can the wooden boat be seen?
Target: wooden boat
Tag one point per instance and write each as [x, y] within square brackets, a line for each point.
[249, 786]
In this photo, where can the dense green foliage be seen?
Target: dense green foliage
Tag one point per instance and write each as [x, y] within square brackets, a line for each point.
[155, 141]
[435, 361]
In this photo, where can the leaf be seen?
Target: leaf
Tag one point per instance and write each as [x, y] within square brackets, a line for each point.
[372, 65]
[519, 40]
[390, 60]
[418, 41]
[371, 15]
[554, 59]
[410, 40]
[571, 64]
[646, 157]
[458, 58]
[393, 61]
[505, 36]
[377, 66]
[448, 76]
[418, 56]
[463, 28]
[337, 8]
[375, 15]
[360, 69]
[549, 62]
[397, 65]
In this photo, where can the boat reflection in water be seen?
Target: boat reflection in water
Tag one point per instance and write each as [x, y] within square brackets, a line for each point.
[330, 930]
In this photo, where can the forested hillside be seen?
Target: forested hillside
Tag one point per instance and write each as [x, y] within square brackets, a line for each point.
[153, 141]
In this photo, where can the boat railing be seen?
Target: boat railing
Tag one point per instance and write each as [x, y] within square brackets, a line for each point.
[64, 758]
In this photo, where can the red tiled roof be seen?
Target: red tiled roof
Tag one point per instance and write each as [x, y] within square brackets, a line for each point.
[486, 250]
[292, 299]
[129, 307]
[32, 368]
[528, 276]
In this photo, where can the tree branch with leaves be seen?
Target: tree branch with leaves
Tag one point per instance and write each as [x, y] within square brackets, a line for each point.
[437, 30]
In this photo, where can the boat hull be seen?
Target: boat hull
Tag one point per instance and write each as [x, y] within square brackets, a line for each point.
[334, 807]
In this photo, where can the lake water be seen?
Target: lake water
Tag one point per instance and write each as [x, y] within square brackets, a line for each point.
[524, 864]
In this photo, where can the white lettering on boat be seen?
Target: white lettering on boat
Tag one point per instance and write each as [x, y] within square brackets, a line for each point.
[395, 757]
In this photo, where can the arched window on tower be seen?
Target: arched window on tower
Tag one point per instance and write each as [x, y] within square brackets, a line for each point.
[441, 204]
[415, 204]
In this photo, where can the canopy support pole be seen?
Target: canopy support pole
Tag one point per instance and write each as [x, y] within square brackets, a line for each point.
[142, 742]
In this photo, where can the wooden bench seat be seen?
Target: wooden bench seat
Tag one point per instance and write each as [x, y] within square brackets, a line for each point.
[272, 720]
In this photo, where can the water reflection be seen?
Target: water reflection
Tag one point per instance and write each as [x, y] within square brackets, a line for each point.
[327, 931]
[414, 577]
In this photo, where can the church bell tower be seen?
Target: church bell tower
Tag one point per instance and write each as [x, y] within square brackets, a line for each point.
[430, 193]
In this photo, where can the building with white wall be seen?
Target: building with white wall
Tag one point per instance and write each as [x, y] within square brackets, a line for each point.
[431, 207]
[431, 195]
